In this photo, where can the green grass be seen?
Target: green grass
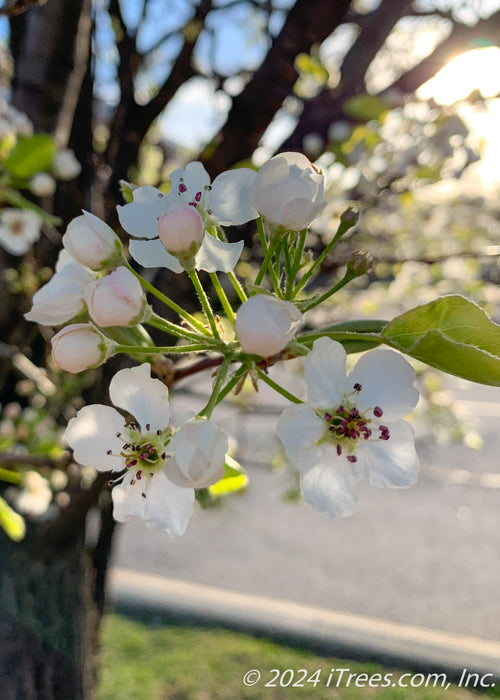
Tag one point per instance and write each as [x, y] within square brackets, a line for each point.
[144, 662]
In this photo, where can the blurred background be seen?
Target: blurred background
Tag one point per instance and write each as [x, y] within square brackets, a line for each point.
[399, 103]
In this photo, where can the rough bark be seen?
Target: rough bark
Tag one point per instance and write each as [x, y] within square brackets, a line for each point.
[309, 22]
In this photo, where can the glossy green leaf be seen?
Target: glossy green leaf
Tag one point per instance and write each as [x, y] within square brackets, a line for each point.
[452, 334]
[234, 479]
[31, 155]
[11, 522]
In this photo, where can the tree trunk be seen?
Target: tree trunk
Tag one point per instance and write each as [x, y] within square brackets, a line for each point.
[51, 598]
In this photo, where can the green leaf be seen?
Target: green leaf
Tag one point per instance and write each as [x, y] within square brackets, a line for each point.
[365, 107]
[234, 479]
[31, 155]
[11, 522]
[451, 334]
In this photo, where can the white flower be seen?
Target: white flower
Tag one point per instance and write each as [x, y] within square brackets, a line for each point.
[19, 229]
[225, 202]
[352, 427]
[34, 497]
[92, 243]
[264, 324]
[80, 346]
[116, 299]
[102, 439]
[65, 166]
[42, 185]
[289, 191]
[62, 298]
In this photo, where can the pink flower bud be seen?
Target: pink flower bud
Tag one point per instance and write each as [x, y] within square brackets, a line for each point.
[116, 300]
[264, 324]
[181, 230]
[80, 346]
[92, 243]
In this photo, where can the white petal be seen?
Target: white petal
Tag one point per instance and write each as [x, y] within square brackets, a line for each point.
[194, 176]
[330, 485]
[134, 390]
[230, 201]
[153, 254]
[55, 311]
[387, 381]
[92, 433]
[165, 507]
[139, 217]
[217, 256]
[299, 429]
[199, 448]
[324, 372]
[391, 463]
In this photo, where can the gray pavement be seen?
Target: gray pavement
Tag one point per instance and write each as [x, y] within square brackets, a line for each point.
[427, 556]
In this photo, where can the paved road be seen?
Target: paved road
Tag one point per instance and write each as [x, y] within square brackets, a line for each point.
[425, 556]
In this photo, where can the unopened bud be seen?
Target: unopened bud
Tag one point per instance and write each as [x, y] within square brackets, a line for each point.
[93, 243]
[181, 230]
[116, 299]
[350, 216]
[359, 263]
[80, 346]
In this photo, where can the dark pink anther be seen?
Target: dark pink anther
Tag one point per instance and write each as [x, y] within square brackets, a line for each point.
[352, 458]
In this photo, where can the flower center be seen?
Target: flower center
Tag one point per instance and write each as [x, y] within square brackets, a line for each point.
[347, 427]
[144, 454]
[198, 201]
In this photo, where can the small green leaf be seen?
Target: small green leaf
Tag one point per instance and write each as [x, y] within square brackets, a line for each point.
[365, 107]
[452, 334]
[11, 522]
[234, 479]
[31, 155]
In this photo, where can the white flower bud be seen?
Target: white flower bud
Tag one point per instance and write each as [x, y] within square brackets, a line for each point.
[65, 166]
[42, 185]
[288, 191]
[91, 242]
[116, 300]
[80, 346]
[199, 450]
[181, 230]
[264, 324]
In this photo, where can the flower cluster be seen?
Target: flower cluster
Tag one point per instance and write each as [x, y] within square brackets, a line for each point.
[349, 428]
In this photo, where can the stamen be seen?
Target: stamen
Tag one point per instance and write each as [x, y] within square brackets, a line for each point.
[158, 432]
[357, 387]
[182, 188]
[328, 416]
[378, 412]
[339, 449]
[352, 458]
[148, 427]
[138, 475]
[197, 197]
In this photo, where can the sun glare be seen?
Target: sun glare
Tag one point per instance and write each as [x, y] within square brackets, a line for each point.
[477, 69]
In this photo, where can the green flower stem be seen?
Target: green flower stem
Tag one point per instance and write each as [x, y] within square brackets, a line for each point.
[10, 476]
[345, 224]
[231, 383]
[269, 251]
[277, 387]
[237, 286]
[295, 265]
[175, 330]
[309, 338]
[165, 350]
[191, 320]
[205, 303]
[218, 384]
[222, 297]
[345, 280]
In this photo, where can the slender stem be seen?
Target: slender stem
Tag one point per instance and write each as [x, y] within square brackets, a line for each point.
[297, 261]
[345, 280]
[10, 476]
[165, 350]
[277, 387]
[231, 384]
[340, 335]
[175, 330]
[191, 320]
[237, 286]
[205, 303]
[222, 297]
[269, 251]
[345, 224]
[218, 384]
